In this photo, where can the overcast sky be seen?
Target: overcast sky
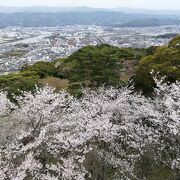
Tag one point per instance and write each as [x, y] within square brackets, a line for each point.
[150, 4]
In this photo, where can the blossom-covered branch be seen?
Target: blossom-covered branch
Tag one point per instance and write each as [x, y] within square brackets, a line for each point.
[106, 134]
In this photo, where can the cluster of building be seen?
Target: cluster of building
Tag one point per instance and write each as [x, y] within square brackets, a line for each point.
[20, 45]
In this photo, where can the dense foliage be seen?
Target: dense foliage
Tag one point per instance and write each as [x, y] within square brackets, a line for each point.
[15, 83]
[95, 66]
[41, 69]
[165, 61]
[107, 134]
[91, 66]
[27, 78]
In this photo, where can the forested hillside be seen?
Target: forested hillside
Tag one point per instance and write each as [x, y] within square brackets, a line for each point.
[164, 60]
[94, 66]
[91, 66]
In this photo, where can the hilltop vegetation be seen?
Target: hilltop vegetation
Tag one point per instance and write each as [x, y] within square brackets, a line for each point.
[165, 60]
[91, 66]
[94, 66]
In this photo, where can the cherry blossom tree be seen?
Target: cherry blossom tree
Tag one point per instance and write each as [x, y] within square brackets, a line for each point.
[4, 104]
[6, 108]
[105, 134]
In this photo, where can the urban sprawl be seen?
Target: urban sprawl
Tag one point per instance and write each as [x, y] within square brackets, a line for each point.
[20, 45]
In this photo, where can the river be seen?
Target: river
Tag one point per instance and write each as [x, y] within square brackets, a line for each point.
[31, 39]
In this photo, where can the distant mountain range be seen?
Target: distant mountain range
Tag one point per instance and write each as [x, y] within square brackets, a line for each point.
[150, 22]
[56, 16]
[48, 9]
[38, 9]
